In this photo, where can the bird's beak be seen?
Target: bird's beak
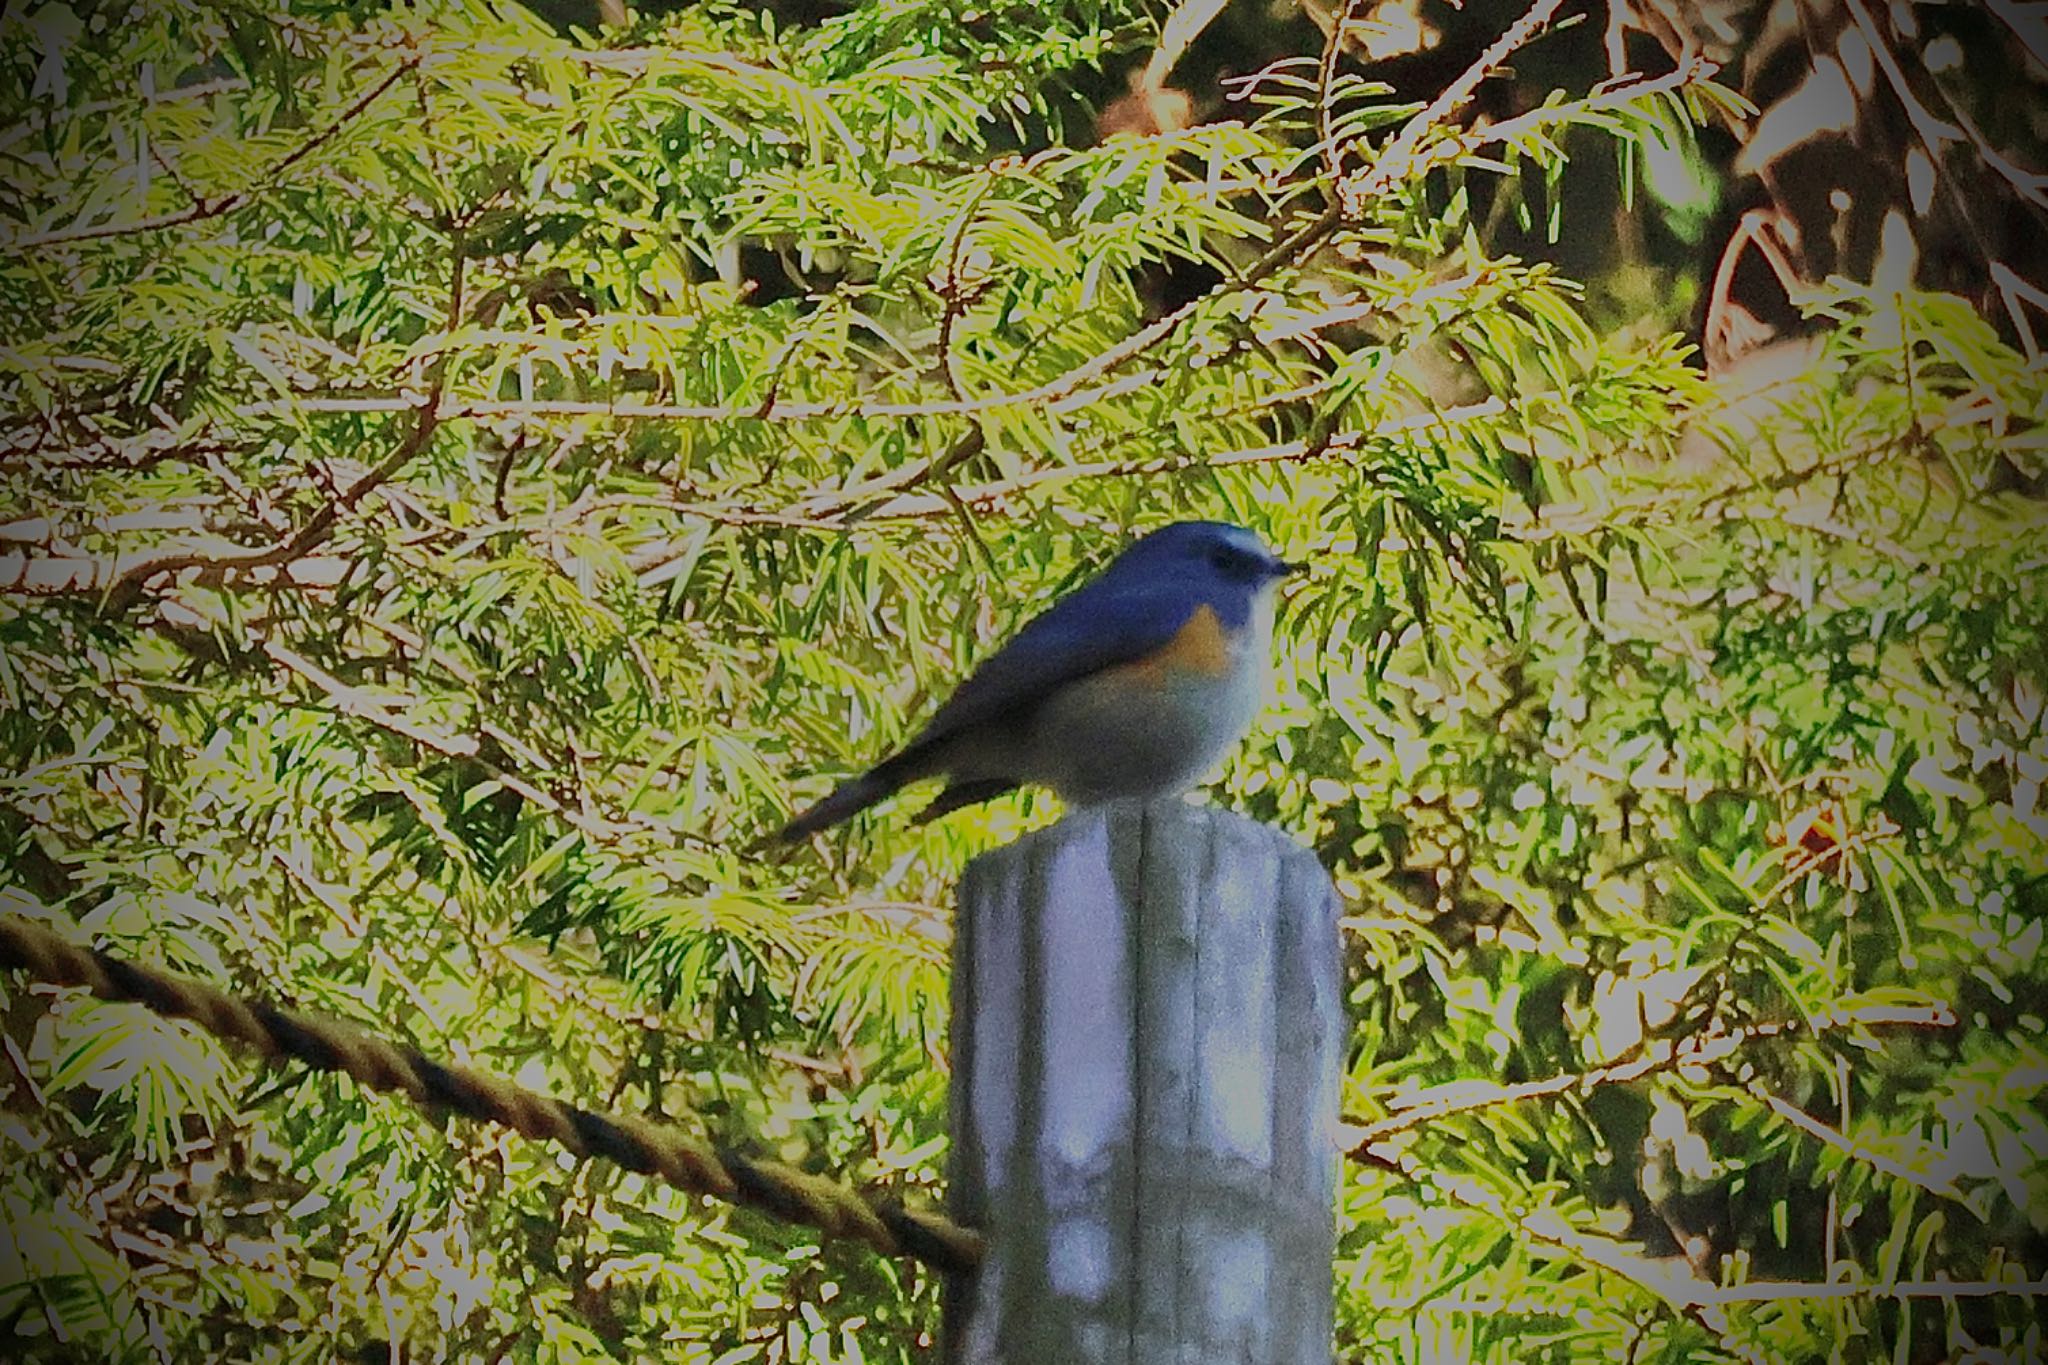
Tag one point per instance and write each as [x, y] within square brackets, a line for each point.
[1284, 567]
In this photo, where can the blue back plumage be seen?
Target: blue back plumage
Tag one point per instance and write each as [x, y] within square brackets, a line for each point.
[1130, 610]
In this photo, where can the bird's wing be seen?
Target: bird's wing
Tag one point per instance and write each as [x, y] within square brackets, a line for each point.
[1100, 625]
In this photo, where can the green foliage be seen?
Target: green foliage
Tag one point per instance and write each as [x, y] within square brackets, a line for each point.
[465, 484]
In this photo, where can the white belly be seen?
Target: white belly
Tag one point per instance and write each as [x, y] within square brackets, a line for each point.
[1110, 737]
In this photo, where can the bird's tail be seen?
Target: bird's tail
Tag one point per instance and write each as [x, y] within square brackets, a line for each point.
[849, 798]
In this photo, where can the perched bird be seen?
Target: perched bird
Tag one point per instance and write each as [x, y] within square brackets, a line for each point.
[1133, 685]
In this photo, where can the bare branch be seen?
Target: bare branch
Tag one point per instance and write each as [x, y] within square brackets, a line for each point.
[1936, 134]
[2017, 293]
[777, 410]
[61, 574]
[888, 497]
[130, 573]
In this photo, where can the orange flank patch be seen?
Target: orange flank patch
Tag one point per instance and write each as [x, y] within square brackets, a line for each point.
[1197, 647]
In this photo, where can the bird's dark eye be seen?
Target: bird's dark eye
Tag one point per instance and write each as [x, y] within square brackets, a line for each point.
[1223, 559]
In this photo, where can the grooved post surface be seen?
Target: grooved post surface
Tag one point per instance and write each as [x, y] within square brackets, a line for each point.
[1148, 1027]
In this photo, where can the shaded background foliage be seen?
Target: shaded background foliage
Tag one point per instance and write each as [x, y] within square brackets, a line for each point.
[469, 473]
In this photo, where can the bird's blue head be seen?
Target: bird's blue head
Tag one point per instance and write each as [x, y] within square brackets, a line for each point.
[1214, 558]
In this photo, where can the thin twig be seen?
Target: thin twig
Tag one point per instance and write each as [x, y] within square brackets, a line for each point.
[827, 410]
[289, 548]
[285, 550]
[1936, 134]
[1333, 446]
[1326, 82]
[2027, 22]
[1761, 1291]
[1396, 161]
[1768, 1291]
[1682, 1293]
[2017, 293]
[887, 498]
[1392, 163]
[1690, 72]
[949, 312]
[1848, 1146]
[1415, 1110]
[203, 209]
[362, 705]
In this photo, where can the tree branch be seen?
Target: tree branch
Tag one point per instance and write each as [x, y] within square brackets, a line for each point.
[1336, 445]
[59, 575]
[1418, 1108]
[131, 579]
[1857, 1151]
[203, 209]
[1326, 86]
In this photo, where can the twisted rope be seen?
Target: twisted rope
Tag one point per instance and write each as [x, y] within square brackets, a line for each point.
[684, 1160]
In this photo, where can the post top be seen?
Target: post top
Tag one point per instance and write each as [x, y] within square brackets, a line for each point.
[1167, 817]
